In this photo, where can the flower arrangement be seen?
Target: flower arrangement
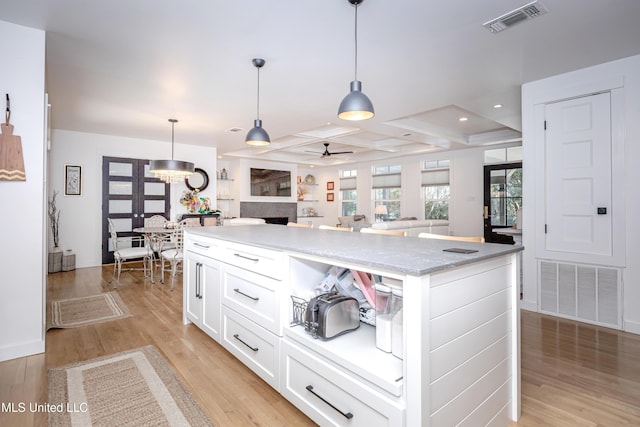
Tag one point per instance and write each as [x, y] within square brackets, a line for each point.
[195, 203]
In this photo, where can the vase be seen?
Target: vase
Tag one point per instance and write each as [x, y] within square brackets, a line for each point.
[55, 260]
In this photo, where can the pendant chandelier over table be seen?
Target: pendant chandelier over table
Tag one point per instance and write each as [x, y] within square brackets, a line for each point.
[171, 171]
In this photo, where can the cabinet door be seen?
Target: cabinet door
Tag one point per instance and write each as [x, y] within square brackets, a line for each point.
[192, 298]
[210, 297]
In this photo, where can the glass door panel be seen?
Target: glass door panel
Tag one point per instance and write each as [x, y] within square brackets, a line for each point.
[120, 207]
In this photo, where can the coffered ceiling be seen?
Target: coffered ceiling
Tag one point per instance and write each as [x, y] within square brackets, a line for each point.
[123, 68]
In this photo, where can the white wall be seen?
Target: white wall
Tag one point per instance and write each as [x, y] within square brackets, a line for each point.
[625, 75]
[22, 215]
[80, 216]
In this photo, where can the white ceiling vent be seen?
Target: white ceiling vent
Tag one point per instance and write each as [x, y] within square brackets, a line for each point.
[526, 12]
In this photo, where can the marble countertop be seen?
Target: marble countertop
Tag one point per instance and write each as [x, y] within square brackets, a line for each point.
[407, 255]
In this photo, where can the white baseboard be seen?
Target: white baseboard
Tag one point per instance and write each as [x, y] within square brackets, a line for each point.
[21, 350]
[632, 327]
[529, 305]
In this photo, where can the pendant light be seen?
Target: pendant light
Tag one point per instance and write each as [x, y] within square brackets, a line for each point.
[356, 105]
[258, 136]
[171, 171]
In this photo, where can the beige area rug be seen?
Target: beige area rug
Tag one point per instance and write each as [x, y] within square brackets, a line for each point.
[132, 388]
[75, 312]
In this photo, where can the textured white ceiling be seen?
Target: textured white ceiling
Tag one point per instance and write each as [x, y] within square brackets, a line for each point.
[124, 67]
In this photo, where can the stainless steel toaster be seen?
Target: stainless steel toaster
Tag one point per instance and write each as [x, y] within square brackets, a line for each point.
[330, 315]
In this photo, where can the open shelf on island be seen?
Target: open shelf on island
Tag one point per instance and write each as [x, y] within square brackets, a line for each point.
[357, 352]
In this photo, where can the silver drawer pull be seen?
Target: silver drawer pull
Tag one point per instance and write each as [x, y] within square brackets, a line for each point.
[245, 295]
[246, 257]
[200, 245]
[236, 336]
[348, 415]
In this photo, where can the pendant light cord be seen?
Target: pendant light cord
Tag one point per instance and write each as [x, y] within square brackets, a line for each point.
[172, 143]
[356, 44]
[258, 97]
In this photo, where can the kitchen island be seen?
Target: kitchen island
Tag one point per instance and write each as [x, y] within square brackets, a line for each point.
[460, 356]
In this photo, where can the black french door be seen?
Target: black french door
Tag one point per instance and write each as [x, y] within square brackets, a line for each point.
[129, 195]
[502, 198]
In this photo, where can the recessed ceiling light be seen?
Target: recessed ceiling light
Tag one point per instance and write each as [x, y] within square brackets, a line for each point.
[407, 134]
[497, 106]
[463, 119]
[235, 130]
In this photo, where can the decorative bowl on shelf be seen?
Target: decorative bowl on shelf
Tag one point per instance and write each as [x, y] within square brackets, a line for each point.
[309, 179]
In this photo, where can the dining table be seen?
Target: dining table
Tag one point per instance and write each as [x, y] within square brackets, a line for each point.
[158, 238]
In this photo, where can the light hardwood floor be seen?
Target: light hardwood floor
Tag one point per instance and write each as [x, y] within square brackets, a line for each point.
[573, 374]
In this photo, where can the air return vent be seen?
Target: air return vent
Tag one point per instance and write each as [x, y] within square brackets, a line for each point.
[528, 11]
[587, 293]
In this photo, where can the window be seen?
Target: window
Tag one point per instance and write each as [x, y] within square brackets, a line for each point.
[348, 192]
[503, 155]
[436, 190]
[386, 188]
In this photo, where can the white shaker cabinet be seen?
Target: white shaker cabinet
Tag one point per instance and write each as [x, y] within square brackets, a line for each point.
[201, 289]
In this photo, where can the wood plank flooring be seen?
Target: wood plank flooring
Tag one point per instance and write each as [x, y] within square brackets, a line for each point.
[573, 374]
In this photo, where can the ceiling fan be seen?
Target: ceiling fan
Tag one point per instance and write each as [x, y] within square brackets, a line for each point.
[328, 153]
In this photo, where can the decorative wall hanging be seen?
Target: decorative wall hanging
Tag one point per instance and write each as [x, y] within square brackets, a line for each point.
[198, 181]
[11, 159]
[72, 180]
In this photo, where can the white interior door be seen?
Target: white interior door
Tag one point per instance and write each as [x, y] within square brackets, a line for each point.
[578, 186]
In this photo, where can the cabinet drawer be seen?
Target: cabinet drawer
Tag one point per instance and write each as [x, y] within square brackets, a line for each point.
[201, 245]
[332, 397]
[256, 347]
[253, 295]
[258, 260]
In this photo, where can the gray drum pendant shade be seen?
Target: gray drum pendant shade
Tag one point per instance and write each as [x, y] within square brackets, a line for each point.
[356, 105]
[171, 171]
[258, 136]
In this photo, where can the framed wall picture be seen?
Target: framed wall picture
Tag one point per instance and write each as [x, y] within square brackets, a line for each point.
[72, 180]
[329, 197]
[329, 185]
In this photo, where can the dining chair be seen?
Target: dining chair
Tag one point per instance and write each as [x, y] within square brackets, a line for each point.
[157, 241]
[478, 239]
[297, 224]
[387, 232]
[122, 253]
[155, 221]
[190, 222]
[175, 255]
[210, 221]
[330, 227]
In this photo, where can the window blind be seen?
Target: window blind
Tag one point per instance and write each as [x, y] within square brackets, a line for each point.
[348, 183]
[391, 180]
[435, 177]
